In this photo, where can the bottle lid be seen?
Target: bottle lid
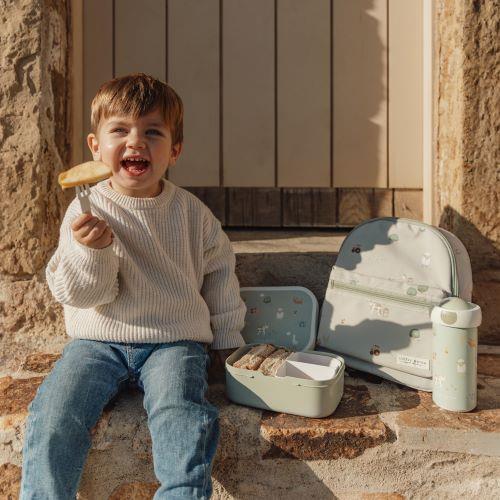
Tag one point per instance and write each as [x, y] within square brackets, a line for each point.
[457, 313]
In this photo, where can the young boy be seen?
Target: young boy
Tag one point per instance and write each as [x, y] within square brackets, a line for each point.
[147, 282]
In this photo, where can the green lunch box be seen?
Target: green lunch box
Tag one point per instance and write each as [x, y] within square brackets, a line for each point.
[310, 383]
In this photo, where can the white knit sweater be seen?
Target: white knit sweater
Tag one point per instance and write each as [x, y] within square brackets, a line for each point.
[168, 275]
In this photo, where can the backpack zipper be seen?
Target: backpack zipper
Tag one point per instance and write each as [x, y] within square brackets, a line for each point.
[364, 290]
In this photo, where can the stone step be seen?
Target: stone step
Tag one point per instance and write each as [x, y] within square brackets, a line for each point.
[294, 257]
[384, 441]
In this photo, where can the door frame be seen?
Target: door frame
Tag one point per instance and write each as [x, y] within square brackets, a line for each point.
[428, 88]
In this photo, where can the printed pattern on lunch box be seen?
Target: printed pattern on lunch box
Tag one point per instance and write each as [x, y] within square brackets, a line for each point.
[284, 316]
[388, 276]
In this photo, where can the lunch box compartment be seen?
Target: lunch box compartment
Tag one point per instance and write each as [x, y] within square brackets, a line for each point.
[308, 384]
[307, 367]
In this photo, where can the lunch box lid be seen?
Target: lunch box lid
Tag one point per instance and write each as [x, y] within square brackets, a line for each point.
[285, 316]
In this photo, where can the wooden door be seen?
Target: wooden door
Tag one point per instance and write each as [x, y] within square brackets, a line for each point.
[296, 113]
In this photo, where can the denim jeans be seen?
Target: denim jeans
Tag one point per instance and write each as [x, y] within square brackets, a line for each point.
[184, 426]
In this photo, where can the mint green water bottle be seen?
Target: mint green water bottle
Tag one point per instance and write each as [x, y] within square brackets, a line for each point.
[454, 365]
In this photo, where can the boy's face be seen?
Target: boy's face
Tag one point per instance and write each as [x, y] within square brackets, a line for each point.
[138, 150]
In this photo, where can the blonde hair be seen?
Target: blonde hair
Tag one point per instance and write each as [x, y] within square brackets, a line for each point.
[136, 95]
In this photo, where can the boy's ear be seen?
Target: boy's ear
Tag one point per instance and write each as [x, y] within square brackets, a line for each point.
[94, 147]
[176, 152]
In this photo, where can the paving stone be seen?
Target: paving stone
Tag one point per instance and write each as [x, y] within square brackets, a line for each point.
[100, 440]
[10, 481]
[489, 364]
[135, 491]
[240, 426]
[485, 417]
[16, 394]
[123, 420]
[426, 426]
[382, 496]
[353, 427]
[40, 362]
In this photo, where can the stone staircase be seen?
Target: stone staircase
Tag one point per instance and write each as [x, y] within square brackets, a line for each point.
[384, 441]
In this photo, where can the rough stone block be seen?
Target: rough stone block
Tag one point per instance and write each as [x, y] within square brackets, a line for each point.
[32, 322]
[16, 394]
[486, 294]
[134, 491]
[34, 132]
[426, 426]
[489, 364]
[10, 481]
[353, 427]
[40, 362]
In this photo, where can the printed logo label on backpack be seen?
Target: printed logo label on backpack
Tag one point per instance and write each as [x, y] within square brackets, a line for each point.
[405, 360]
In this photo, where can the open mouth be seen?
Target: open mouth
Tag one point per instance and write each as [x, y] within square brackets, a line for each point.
[135, 166]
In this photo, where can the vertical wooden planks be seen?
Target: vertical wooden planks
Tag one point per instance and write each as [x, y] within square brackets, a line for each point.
[214, 198]
[408, 203]
[303, 38]
[140, 37]
[360, 93]
[405, 94]
[193, 70]
[357, 205]
[97, 55]
[248, 93]
[257, 207]
[309, 207]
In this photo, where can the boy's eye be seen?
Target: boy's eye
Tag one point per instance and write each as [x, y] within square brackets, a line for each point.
[153, 131]
[118, 130]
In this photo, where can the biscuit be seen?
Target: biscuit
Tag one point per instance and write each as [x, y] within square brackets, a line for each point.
[85, 173]
[253, 358]
[271, 364]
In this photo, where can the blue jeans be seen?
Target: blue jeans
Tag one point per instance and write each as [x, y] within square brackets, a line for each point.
[184, 426]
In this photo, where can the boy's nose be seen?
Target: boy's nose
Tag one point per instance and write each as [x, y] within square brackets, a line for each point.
[135, 141]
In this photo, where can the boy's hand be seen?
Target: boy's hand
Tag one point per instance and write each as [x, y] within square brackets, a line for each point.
[92, 231]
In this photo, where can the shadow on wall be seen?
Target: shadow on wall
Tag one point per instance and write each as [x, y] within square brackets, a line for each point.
[483, 252]
[365, 73]
[485, 260]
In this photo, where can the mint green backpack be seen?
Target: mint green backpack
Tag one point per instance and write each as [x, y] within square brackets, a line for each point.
[389, 274]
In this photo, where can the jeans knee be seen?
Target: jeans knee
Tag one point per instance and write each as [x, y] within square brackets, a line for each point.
[52, 423]
[49, 414]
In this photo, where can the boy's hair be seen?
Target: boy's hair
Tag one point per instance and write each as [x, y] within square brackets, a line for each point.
[136, 95]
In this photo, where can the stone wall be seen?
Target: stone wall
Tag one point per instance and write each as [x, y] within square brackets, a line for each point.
[467, 146]
[34, 134]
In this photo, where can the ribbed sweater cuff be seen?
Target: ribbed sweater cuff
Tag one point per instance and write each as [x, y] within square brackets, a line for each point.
[227, 340]
[93, 255]
[87, 265]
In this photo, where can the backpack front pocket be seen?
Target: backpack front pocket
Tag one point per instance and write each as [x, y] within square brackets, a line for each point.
[379, 325]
